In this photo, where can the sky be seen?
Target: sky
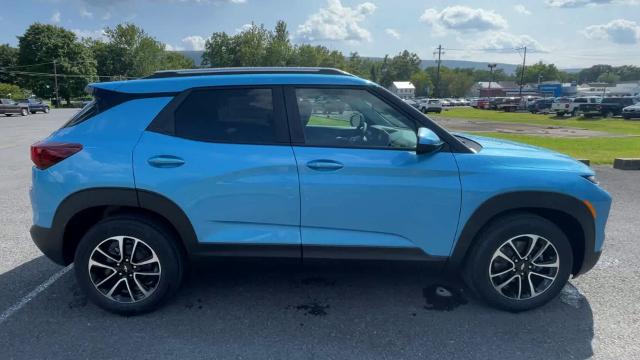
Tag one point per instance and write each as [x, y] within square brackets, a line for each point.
[568, 33]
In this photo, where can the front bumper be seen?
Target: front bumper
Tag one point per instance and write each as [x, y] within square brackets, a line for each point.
[49, 243]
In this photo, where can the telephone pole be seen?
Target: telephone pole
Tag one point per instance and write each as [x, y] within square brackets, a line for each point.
[438, 71]
[491, 67]
[55, 79]
[524, 62]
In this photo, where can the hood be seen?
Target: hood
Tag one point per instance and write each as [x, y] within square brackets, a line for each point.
[515, 154]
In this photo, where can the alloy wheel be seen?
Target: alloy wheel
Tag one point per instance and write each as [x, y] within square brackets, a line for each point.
[124, 269]
[524, 267]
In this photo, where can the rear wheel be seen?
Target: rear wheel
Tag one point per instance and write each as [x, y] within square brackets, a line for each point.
[24, 112]
[46, 110]
[128, 264]
[519, 262]
[608, 114]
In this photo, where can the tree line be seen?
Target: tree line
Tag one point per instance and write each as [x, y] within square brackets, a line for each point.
[127, 51]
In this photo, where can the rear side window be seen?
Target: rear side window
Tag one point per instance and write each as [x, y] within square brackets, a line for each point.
[87, 112]
[227, 115]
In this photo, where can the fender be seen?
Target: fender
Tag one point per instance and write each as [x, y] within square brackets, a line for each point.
[111, 197]
[528, 200]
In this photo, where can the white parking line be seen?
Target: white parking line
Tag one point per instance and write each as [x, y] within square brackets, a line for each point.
[30, 296]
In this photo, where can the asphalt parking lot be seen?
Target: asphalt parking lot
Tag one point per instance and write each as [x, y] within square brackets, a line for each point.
[326, 311]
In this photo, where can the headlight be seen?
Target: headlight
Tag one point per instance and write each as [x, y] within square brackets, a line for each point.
[592, 178]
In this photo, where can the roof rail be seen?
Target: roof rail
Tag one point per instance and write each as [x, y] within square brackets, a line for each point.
[246, 70]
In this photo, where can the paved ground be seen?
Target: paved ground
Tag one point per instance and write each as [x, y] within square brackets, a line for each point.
[248, 311]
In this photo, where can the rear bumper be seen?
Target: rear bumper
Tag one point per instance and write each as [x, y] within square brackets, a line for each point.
[49, 243]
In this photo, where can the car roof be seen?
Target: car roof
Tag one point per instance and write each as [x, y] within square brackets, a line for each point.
[180, 80]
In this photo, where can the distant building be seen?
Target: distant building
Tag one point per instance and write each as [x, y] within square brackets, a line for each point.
[486, 89]
[403, 89]
[631, 88]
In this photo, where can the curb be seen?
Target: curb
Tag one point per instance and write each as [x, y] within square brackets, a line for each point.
[626, 163]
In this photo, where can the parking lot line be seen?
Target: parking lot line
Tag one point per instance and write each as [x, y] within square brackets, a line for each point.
[30, 296]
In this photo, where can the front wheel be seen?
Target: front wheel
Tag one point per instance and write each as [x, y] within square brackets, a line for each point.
[519, 262]
[46, 110]
[24, 112]
[128, 264]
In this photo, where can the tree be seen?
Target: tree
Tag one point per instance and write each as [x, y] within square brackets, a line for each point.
[278, 49]
[540, 70]
[609, 78]
[130, 52]
[219, 50]
[8, 59]
[422, 82]
[40, 46]
[12, 91]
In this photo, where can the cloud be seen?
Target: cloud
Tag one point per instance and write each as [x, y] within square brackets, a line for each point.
[618, 31]
[392, 32]
[56, 17]
[504, 42]
[242, 28]
[86, 14]
[521, 9]
[194, 42]
[463, 19]
[337, 22]
[90, 34]
[583, 3]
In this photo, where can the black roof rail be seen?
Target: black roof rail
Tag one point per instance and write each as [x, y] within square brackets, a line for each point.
[246, 70]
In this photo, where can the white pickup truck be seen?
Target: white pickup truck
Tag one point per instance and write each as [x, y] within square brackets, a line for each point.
[571, 106]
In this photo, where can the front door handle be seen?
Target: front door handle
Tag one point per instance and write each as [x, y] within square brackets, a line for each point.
[165, 161]
[324, 165]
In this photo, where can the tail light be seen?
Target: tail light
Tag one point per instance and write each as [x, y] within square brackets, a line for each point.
[46, 154]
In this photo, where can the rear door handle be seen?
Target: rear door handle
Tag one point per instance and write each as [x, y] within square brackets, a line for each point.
[325, 165]
[165, 161]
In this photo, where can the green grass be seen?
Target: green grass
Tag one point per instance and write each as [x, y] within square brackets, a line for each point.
[613, 126]
[600, 150]
[327, 121]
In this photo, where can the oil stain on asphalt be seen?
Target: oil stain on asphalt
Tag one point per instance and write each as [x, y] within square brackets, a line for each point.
[443, 298]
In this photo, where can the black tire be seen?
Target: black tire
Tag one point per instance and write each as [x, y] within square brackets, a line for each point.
[46, 110]
[24, 112]
[560, 113]
[157, 237]
[493, 237]
[608, 114]
[439, 111]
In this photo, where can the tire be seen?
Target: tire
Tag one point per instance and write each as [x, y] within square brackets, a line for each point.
[127, 291]
[608, 114]
[24, 112]
[46, 110]
[33, 112]
[560, 113]
[517, 228]
[574, 113]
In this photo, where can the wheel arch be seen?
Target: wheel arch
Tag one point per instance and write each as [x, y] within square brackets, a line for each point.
[78, 212]
[571, 215]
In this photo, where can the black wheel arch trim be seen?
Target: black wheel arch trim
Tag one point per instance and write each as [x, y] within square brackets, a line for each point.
[532, 201]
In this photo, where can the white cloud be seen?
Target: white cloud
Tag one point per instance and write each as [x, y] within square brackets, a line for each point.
[56, 17]
[244, 27]
[464, 19]
[392, 32]
[194, 42]
[504, 42]
[619, 31]
[521, 9]
[170, 47]
[337, 22]
[86, 14]
[93, 34]
[582, 3]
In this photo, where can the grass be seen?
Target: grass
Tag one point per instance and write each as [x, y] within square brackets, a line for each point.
[613, 126]
[600, 150]
[327, 121]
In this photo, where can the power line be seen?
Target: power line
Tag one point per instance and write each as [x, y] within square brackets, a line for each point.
[438, 71]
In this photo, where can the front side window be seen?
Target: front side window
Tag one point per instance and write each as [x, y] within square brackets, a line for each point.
[227, 115]
[353, 118]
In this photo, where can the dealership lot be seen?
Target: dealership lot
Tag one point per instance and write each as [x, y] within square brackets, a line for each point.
[266, 310]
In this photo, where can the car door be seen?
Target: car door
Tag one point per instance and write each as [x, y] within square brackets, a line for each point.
[364, 190]
[223, 156]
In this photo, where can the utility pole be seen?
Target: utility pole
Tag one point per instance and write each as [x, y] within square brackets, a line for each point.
[524, 62]
[438, 71]
[491, 66]
[55, 79]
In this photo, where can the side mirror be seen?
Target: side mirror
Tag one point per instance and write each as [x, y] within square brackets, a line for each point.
[428, 141]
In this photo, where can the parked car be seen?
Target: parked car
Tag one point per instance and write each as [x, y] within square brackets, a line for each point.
[540, 106]
[10, 107]
[431, 105]
[412, 102]
[509, 104]
[572, 106]
[35, 105]
[483, 103]
[228, 162]
[446, 102]
[494, 102]
[631, 112]
[609, 107]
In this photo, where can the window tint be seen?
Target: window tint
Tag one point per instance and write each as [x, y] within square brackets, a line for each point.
[353, 118]
[227, 115]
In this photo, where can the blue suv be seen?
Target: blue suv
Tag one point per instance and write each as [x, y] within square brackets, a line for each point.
[303, 163]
